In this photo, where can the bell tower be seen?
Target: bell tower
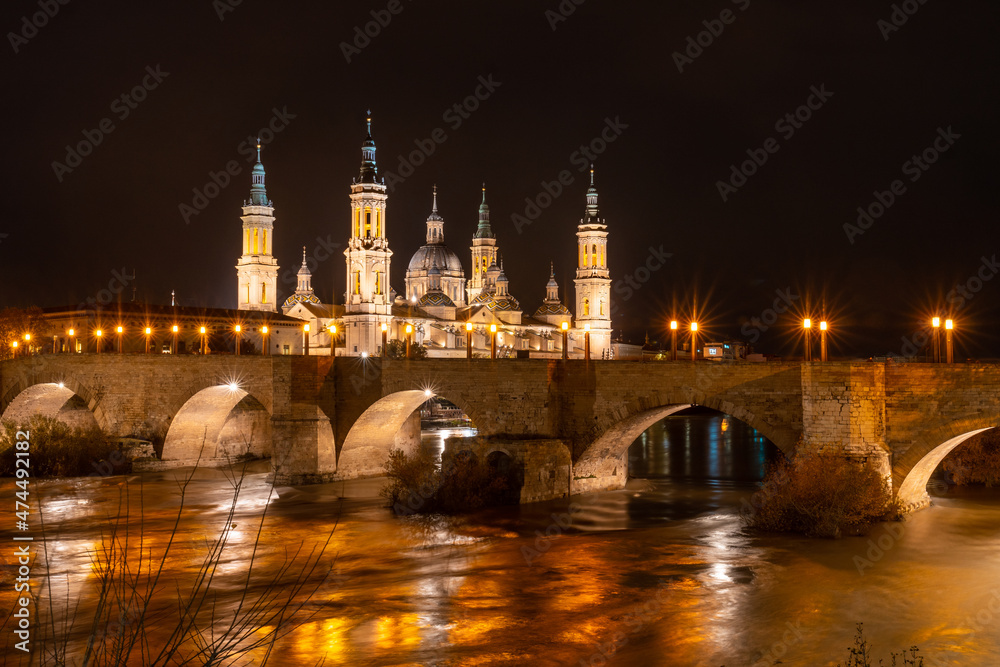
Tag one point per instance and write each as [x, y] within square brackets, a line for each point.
[593, 279]
[257, 269]
[367, 303]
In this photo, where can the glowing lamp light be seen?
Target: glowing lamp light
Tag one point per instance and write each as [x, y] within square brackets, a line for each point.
[822, 326]
[201, 330]
[98, 333]
[14, 345]
[673, 325]
[468, 326]
[586, 327]
[807, 323]
[148, 331]
[72, 332]
[232, 386]
[949, 325]
[565, 326]
[333, 329]
[175, 328]
[27, 337]
[62, 386]
[120, 329]
[263, 330]
[936, 322]
[493, 328]
[364, 355]
[238, 328]
[306, 328]
[409, 328]
[428, 393]
[694, 326]
[385, 327]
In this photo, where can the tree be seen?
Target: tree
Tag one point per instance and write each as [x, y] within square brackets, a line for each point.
[396, 349]
[15, 322]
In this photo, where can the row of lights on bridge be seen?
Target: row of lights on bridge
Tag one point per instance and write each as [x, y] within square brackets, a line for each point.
[807, 326]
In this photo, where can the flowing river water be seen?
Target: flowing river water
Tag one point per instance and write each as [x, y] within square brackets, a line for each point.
[660, 573]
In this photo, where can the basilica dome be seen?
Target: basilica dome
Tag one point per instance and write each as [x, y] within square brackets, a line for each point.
[435, 254]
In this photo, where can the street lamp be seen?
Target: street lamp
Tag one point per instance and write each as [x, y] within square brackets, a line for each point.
[468, 340]
[263, 338]
[936, 329]
[807, 326]
[694, 341]
[493, 341]
[586, 342]
[147, 332]
[333, 339]
[238, 329]
[305, 340]
[13, 349]
[120, 330]
[409, 337]
[565, 333]
[949, 343]
[204, 339]
[71, 334]
[822, 340]
[673, 340]
[27, 343]
[174, 330]
[385, 339]
[99, 335]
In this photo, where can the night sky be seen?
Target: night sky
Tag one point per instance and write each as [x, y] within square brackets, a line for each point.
[558, 80]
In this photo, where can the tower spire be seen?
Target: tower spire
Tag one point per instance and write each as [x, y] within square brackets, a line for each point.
[369, 170]
[258, 193]
[592, 215]
[484, 231]
[435, 223]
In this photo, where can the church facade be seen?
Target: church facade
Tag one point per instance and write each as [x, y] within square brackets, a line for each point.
[441, 308]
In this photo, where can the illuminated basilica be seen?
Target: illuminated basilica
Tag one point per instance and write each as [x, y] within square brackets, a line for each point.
[441, 307]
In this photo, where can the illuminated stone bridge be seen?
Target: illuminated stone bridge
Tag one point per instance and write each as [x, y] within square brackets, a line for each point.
[568, 425]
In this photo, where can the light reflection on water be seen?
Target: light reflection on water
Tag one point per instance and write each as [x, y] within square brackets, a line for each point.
[661, 568]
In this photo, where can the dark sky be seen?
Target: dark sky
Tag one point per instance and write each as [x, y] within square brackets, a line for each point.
[66, 237]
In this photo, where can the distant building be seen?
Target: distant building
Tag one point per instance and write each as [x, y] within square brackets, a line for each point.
[725, 351]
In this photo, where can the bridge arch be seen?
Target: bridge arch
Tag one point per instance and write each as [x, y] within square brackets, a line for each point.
[374, 434]
[218, 421]
[603, 465]
[914, 468]
[64, 399]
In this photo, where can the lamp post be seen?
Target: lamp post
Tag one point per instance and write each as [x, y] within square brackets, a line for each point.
[120, 330]
[586, 342]
[936, 331]
[493, 341]
[174, 330]
[264, 331]
[204, 340]
[822, 340]
[99, 335]
[468, 340]
[333, 340]
[238, 329]
[694, 341]
[565, 333]
[13, 349]
[147, 331]
[807, 326]
[949, 343]
[409, 339]
[305, 340]
[71, 334]
[27, 343]
[385, 340]
[673, 340]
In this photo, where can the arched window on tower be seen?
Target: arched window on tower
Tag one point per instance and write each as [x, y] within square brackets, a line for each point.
[248, 293]
[378, 282]
[586, 307]
[593, 254]
[256, 240]
[263, 247]
[602, 307]
[357, 282]
[586, 259]
[378, 223]
[263, 293]
[368, 221]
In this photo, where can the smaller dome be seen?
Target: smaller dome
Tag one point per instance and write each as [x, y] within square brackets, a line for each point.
[494, 302]
[300, 298]
[435, 298]
[552, 309]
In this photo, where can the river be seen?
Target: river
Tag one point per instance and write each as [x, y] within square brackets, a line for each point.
[660, 573]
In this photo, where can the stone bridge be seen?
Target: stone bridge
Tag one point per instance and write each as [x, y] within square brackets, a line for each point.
[567, 424]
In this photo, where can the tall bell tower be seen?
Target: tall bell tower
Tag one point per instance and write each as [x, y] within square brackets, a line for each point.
[593, 278]
[257, 269]
[484, 251]
[367, 302]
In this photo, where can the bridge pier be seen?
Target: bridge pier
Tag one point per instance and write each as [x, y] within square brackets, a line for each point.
[544, 463]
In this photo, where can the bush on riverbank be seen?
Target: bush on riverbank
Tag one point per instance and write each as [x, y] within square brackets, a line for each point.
[58, 450]
[417, 485]
[860, 655]
[823, 495]
[976, 461]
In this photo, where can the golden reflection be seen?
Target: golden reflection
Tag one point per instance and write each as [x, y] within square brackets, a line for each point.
[401, 631]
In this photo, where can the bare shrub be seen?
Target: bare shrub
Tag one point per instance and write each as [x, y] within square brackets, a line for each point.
[976, 461]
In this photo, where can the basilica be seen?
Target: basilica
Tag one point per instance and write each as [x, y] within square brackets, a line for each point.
[441, 308]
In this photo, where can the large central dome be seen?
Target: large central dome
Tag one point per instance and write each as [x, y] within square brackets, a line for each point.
[435, 254]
